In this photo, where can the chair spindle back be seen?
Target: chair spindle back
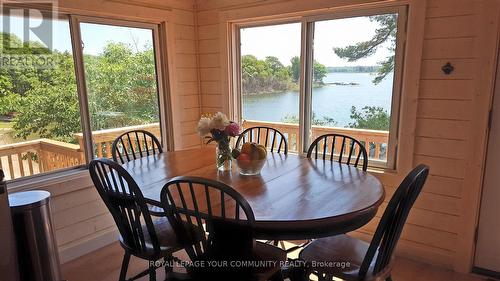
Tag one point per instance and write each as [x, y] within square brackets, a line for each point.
[272, 139]
[133, 145]
[194, 204]
[339, 148]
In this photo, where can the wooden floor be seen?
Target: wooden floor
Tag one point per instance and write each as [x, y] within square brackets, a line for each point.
[104, 265]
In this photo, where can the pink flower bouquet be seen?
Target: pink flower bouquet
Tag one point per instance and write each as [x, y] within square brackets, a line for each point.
[217, 128]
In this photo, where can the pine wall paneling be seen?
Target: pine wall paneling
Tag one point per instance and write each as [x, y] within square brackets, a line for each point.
[82, 222]
[450, 112]
[445, 121]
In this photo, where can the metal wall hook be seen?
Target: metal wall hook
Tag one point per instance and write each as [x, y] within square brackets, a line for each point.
[447, 68]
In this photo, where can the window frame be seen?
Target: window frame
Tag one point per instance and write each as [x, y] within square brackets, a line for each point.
[305, 90]
[235, 61]
[76, 20]
[162, 80]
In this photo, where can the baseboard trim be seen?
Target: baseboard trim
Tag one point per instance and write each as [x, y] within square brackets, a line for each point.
[486, 272]
[76, 249]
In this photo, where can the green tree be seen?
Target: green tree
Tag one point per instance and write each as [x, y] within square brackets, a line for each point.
[44, 102]
[295, 68]
[274, 64]
[270, 75]
[371, 117]
[277, 69]
[122, 87]
[386, 32]
[264, 76]
[18, 80]
[48, 111]
[319, 72]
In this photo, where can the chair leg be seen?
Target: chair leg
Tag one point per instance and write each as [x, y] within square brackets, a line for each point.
[152, 273]
[295, 274]
[325, 277]
[307, 274]
[123, 272]
[278, 276]
[168, 268]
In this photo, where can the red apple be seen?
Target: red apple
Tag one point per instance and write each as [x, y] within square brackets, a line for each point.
[244, 157]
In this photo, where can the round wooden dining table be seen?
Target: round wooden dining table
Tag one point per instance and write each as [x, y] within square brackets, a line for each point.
[293, 198]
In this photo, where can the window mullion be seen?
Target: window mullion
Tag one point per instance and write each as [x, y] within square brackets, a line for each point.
[392, 145]
[236, 100]
[81, 86]
[305, 113]
[163, 93]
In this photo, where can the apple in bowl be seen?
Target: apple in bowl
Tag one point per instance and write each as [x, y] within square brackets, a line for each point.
[250, 158]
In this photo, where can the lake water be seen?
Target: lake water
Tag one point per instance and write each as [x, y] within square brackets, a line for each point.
[333, 101]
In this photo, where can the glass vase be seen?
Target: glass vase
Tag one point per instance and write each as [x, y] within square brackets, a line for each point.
[223, 158]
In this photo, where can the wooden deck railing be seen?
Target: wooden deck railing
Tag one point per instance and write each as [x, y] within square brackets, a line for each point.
[45, 155]
[103, 139]
[37, 156]
[374, 141]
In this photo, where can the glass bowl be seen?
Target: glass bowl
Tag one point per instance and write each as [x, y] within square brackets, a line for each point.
[250, 167]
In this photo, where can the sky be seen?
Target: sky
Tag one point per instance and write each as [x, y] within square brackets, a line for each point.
[283, 41]
[94, 36]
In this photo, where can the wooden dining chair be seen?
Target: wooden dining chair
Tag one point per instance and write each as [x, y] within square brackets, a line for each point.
[367, 261]
[215, 223]
[135, 144]
[140, 235]
[340, 148]
[272, 139]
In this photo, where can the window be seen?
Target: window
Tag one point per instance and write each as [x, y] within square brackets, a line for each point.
[51, 110]
[353, 85]
[348, 82]
[120, 76]
[39, 110]
[270, 76]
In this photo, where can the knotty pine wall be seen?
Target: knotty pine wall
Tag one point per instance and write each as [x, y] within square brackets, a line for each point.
[449, 125]
[81, 220]
[449, 130]
[179, 18]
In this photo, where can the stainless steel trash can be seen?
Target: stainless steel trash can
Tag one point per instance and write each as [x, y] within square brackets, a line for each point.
[36, 244]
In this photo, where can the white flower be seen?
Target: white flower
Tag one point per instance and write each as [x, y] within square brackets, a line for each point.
[219, 121]
[204, 126]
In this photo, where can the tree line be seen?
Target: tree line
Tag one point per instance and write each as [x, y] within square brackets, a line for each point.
[122, 85]
[43, 102]
[354, 69]
[369, 117]
[270, 75]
